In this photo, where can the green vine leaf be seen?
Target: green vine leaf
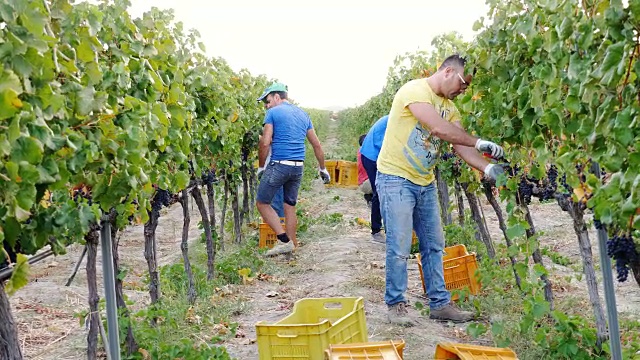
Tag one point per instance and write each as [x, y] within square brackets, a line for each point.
[20, 276]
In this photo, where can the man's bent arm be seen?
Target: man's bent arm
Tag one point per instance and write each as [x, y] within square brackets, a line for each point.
[265, 144]
[439, 127]
[469, 154]
[317, 148]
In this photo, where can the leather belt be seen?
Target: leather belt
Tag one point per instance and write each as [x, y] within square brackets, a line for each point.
[290, 162]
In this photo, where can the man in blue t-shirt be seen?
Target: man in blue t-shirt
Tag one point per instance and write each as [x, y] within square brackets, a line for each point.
[286, 127]
[278, 198]
[369, 156]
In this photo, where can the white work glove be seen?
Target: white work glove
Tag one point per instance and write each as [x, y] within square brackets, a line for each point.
[492, 148]
[260, 171]
[492, 171]
[324, 175]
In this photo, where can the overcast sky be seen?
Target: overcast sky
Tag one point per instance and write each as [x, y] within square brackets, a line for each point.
[329, 53]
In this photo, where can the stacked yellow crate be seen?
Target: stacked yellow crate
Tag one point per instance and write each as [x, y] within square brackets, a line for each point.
[459, 270]
[336, 329]
[453, 351]
[313, 325]
[343, 173]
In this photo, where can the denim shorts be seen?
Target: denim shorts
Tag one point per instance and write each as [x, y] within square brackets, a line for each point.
[278, 176]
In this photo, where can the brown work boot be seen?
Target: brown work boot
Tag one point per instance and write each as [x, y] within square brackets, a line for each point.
[451, 312]
[399, 315]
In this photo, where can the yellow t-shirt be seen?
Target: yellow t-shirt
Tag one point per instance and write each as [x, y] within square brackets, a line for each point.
[408, 149]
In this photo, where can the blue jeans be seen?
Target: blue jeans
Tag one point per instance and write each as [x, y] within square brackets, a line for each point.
[278, 202]
[406, 206]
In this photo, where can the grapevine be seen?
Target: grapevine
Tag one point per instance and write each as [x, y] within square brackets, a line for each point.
[556, 86]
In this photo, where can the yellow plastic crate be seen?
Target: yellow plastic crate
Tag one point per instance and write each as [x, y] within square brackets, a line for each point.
[334, 171]
[379, 350]
[459, 270]
[459, 273]
[454, 252]
[453, 351]
[348, 174]
[313, 325]
[267, 236]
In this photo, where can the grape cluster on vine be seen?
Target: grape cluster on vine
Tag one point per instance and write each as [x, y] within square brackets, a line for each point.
[447, 155]
[209, 177]
[622, 249]
[81, 192]
[565, 186]
[160, 199]
[525, 190]
[551, 184]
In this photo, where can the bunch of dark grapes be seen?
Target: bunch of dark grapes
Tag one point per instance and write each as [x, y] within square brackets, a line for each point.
[81, 192]
[511, 170]
[563, 182]
[552, 176]
[209, 177]
[551, 185]
[525, 190]
[622, 249]
[447, 155]
[160, 199]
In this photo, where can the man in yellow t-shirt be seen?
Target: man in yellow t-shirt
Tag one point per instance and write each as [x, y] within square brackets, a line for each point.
[422, 116]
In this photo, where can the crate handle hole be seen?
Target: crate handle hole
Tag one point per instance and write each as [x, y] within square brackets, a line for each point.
[280, 335]
[333, 305]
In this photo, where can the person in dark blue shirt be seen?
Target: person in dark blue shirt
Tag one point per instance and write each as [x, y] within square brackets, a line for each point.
[286, 127]
[369, 155]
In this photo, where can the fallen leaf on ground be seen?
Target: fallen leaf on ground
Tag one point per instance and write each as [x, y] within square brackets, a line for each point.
[220, 329]
[192, 317]
[224, 291]
[145, 354]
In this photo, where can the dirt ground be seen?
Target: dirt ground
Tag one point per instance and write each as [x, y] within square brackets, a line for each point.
[46, 309]
[333, 261]
[344, 262]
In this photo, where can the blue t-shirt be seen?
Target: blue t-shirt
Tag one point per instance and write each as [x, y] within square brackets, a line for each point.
[373, 141]
[290, 126]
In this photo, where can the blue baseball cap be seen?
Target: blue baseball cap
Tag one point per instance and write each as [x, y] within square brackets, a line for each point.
[276, 86]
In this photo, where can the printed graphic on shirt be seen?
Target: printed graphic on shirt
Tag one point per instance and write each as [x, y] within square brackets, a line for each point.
[421, 150]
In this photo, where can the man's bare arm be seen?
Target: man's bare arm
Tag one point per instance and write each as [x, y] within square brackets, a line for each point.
[469, 154]
[439, 127]
[317, 147]
[265, 144]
